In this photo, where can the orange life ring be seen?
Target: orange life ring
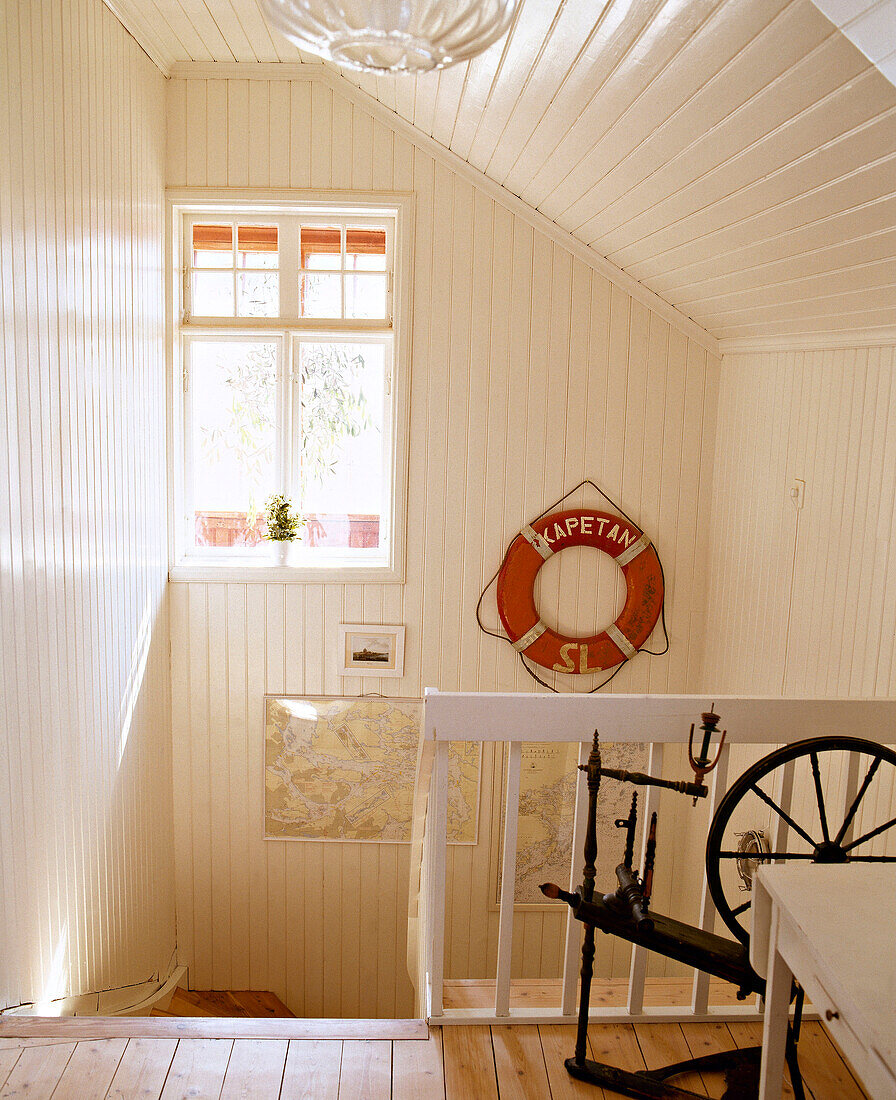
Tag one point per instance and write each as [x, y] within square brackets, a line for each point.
[528, 552]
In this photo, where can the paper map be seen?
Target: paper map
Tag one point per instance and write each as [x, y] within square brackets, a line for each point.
[343, 769]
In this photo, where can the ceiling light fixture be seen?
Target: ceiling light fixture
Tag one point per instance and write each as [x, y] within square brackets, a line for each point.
[392, 36]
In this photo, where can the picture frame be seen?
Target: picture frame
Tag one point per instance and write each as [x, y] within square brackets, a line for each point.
[366, 650]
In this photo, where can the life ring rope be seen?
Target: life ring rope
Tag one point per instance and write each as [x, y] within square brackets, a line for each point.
[613, 635]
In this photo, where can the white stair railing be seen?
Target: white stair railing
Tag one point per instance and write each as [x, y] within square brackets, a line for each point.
[657, 720]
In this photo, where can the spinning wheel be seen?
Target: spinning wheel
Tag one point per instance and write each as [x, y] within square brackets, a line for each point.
[826, 800]
[784, 796]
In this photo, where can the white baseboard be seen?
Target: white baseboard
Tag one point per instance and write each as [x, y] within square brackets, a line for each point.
[129, 1000]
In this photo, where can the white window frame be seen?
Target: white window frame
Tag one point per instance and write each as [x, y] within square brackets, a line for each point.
[247, 206]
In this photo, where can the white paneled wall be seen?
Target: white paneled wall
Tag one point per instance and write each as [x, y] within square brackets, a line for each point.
[529, 372]
[87, 891]
[804, 601]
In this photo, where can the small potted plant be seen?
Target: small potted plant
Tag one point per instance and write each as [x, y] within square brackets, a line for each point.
[283, 527]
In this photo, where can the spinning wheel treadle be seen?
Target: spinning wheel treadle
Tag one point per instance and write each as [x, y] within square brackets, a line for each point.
[821, 831]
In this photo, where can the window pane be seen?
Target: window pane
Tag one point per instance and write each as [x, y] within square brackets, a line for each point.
[257, 246]
[212, 293]
[365, 249]
[365, 295]
[256, 259]
[259, 293]
[321, 296]
[341, 449]
[212, 246]
[322, 247]
[234, 407]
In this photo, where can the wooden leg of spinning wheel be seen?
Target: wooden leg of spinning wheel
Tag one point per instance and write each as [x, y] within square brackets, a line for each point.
[796, 1077]
[585, 995]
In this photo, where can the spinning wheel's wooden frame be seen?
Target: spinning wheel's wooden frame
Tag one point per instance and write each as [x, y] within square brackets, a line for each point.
[704, 950]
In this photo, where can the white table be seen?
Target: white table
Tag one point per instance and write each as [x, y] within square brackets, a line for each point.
[833, 928]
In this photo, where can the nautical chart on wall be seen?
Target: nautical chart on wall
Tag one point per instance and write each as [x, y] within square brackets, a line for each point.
[548, 778]
[344, 769]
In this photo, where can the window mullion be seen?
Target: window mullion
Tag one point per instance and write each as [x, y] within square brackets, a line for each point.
[295, 430]
[289, 267]
[234, 230]
[390, 272]
[187, 441]
[343, 262]
[285, 417]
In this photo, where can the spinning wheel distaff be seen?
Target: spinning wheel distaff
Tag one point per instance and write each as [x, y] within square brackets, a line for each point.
[815, 833]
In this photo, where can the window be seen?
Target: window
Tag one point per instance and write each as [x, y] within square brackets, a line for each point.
[289, 348]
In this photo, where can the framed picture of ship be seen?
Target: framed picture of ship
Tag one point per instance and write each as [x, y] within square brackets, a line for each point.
[371, 650]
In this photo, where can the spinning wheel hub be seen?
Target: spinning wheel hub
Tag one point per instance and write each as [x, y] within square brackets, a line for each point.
[830, 853]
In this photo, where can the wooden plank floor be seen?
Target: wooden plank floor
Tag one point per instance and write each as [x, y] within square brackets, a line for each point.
[229, 1004]
[546, 992]
[454, 1063]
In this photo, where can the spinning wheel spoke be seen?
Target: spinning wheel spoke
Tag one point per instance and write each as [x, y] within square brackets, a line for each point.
[768, 855]
[823, 756]
[872, 859]
[820, 798]
[782, 814]
[851, 813]
[868, 836]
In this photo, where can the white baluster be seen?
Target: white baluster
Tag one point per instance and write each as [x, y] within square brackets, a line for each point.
[438, 810]
[508, 879]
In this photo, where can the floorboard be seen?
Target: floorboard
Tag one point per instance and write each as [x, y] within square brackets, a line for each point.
[198, 1069]
[824, 1070]
[230, 1003]
[469, 1063]
[546, 993]
[366, 1070]
[37, 1071]
[8, 1059]
[617, 1045]
[312, 1070]
[558, 1042]
[417, 1069]
[821, 1062]
[90, 1070]
[663, 1044]
[703, 1039]
[519, 1062]
[142, 1069]
[255, 1069]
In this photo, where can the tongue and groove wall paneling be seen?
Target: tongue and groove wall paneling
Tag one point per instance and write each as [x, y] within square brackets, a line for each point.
[807, 599]
[85, 823]
[529, 371]
[846, 530]
[802, 602]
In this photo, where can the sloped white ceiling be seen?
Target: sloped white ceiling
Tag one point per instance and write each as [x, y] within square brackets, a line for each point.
[737, 157]
[868, 24]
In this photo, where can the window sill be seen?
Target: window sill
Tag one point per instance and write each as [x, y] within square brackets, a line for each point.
[265, 573]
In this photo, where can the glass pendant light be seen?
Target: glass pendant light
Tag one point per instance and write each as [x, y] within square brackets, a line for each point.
[389, 36]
